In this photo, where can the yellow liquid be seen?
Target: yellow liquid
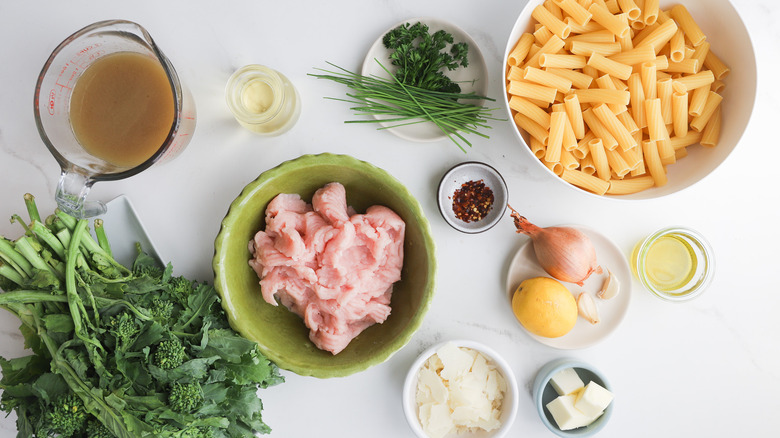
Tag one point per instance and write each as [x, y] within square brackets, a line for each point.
[670, 263]
[122, 108]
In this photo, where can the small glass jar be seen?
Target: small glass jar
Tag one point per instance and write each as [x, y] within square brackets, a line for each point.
[675, 264]
[263, 100]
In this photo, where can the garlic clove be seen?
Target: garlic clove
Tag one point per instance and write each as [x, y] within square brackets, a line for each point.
[587, 308]
[610, 288]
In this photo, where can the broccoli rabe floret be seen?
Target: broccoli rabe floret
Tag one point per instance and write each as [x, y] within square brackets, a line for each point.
[198, 432]
[170, 354]
[123, 328]
[150, 271]
[96, 429]
[185, 397]
[68, 416]
[161, 309]
[181, 289]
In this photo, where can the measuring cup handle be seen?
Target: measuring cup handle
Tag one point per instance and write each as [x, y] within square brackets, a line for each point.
[71, 195]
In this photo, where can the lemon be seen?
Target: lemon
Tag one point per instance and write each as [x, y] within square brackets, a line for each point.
[545, 307]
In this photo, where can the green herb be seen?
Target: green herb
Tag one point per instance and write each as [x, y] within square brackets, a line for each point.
[120, 352]
[419, 56]
[395, 104]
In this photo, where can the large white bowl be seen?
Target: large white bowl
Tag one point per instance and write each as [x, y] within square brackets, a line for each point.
[730, 40]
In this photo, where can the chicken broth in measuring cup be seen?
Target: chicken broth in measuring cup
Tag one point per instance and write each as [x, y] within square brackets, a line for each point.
[108, 105]
[122, 108]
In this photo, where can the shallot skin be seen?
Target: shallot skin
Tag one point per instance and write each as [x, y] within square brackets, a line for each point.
[567, 254]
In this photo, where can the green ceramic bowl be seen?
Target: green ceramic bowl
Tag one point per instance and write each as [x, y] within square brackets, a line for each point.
[282, 335]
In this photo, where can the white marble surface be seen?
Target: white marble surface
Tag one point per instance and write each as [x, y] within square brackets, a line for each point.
[710, 367]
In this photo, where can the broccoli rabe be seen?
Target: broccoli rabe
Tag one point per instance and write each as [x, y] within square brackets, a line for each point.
[118, 352]
[170, 354]
[67, 416]
[181, 289]
[96, 429]
[161, 310]
[123, 327]
[185, 397]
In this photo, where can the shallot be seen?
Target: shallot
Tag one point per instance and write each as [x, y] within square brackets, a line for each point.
[565, 253]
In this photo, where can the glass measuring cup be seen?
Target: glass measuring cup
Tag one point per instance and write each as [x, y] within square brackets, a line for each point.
[54, 104]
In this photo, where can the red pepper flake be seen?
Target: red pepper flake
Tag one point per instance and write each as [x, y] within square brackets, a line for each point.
[472, 201]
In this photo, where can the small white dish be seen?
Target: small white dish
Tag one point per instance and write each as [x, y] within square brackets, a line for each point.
[472, 79]
[124, 229]
[524, 265]
[462, 173]
[509, 404]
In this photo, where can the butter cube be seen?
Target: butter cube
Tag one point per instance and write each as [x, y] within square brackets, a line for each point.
[564, 413]
[566, 381]
[593, 399]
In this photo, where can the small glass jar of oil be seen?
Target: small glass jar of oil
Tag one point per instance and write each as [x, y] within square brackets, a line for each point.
[263, 100]
[674, 263]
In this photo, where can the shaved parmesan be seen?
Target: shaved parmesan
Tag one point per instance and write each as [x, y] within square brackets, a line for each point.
[459, 390]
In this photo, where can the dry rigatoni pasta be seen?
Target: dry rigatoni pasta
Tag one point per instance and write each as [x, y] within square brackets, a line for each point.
[630, 8]
[684, 19]
[521, 49]
[598, 156]
[697, 100]
[573, 109]
[630, 185]
[530, 110]
[612, 23]
[610, 121]
[551, 22]
[547, 79]
[650, 12]
[635, 56]
[711, 132]
[612, 92]
[680, 113]
[580, 15]
[585, 181]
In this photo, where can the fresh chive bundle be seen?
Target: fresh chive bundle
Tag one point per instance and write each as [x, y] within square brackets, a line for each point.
[394, 104]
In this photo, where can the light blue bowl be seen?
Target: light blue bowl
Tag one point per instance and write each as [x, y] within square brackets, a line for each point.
[544, 393]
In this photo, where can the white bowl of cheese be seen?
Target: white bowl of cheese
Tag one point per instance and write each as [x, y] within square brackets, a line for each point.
[460, 388]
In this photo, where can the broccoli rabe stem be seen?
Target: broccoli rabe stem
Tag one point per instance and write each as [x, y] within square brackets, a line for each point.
[44, 234]
[32, 207]
[12, 256]
[30, 297]
[92, 248]
[102, 238]
[25, 246]
[75, 304]
[20, 221]
[10, 273]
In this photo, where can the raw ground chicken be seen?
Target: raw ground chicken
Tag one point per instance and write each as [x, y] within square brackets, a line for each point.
[331, 266]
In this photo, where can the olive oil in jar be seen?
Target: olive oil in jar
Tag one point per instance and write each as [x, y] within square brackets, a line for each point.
[263, 100]
[670, 263]
[675, 264]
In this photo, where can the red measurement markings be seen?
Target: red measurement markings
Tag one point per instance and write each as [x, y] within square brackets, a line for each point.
[52, 96]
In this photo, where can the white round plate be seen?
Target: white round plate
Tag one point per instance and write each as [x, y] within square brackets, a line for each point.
[472, 79]
[611, 312]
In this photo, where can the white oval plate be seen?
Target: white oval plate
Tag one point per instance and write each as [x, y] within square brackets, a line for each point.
[472, 79]
[124, 229]
[611, 312]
